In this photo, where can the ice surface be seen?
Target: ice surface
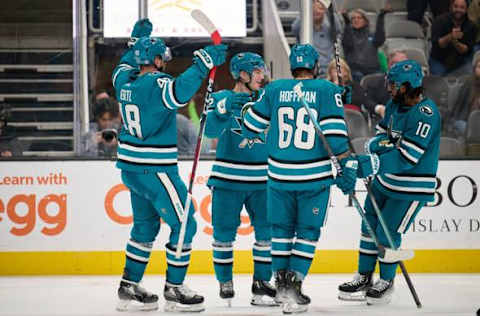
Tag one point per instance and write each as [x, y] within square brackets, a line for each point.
[441, 294]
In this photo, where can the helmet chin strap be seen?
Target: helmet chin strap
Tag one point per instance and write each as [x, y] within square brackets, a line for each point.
[247, 84]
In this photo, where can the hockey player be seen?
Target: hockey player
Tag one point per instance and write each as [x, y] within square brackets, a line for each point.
[147, 157]
[299, 170]
[404, 157]
[239, 178]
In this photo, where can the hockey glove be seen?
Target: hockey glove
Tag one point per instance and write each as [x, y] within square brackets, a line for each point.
[347, 95]
[367, 165]
[210, 56]
[346, 182]
[231, 103]
[378, 145]
[142, 28]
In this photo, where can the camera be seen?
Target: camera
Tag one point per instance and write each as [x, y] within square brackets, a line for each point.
[109, 134]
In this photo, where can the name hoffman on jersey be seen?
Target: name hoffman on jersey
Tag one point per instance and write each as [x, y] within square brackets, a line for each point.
[291, 96]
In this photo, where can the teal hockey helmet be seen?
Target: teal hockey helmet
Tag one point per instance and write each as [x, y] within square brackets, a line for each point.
[303, 56]
[147, 48]
[247, 62]
[406, 71]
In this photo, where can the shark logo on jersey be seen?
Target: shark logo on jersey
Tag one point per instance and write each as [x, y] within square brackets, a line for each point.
[238, 130]
[426, 110]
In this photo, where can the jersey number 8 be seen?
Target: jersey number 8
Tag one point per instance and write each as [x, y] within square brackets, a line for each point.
[303, 130]
[131, 119]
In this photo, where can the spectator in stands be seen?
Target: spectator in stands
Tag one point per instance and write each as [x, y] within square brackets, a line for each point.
[358, 100]
[474, 16]
[453, 38]
[359, 47]
[101, 140]
[322, 33]
[186, 135]
[102, 95]
[9, 144]
[416, 8]
[468, 101]
[377, 91]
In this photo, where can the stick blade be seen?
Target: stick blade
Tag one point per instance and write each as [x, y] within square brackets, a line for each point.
[392, 256]
[298, 89]
[203, 20]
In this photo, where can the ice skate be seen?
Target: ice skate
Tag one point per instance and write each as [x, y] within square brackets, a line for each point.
[182, 299]
[281, 286]
[263, 294]
[227, 292]
[132, 297]
[297, 302]
[380, 293]
[355, 290]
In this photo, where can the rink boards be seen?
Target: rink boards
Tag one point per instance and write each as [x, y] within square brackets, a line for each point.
[74, 217]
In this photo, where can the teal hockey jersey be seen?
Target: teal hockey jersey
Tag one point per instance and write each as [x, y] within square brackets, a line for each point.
[297, 158]
[240, 164]
[148, 104]
[408, 171]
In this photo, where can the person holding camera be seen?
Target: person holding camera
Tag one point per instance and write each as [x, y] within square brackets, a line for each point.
[101, 140]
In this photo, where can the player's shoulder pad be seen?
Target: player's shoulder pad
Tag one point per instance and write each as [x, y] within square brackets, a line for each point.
[426, 109]
[159, 74]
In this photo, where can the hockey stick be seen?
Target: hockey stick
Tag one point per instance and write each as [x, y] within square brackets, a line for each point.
[207, 24]
[389, 255]
[332, 10]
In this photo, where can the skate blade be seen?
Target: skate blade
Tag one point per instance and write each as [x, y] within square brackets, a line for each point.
[263, 300]
[293, 308]
[352, 297]
[386, 299]
[228, 301]
[132, 306]
[177, 307]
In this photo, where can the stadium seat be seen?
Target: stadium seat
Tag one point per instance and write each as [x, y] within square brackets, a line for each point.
[372, 79]
[367, 5]
[405, 29]
[359, 144]
[436, 88]
[451, 147]
[394, 17]
[473, 134]
[419, 56]
[356, 124]
[398, 5]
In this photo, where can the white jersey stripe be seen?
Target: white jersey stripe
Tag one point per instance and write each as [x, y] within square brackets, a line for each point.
[404, 189]
[282, 240]
[412, 179]
[147, 160]
[139, 246]
[300, 177]
[252, 127]
[240, 166]
[172, 194]
[262, 259]
[368, 251]
[177, 263]
[407, 217]
[136, 257]
[257, 118]
[303, 253]
[147, 149]
[239, 178]
[413, 146]
[298, 165]
[217, 260]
